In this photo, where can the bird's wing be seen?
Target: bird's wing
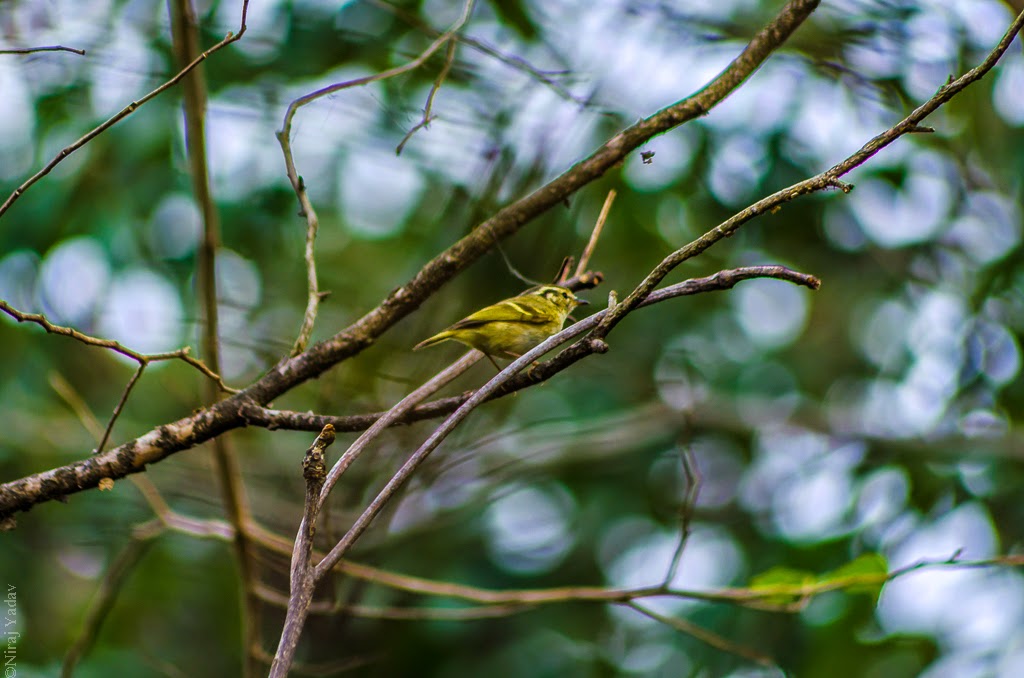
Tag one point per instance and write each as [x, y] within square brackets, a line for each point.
[510, 310]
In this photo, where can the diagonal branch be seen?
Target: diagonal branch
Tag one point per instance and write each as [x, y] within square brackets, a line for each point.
[119, 407]
[830, 178]
[406, 298]
[125, 112]
[110, 586]
[702, 634]
[228, 414]
[481, 395]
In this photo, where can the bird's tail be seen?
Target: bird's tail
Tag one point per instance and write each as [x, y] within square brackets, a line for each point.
[436, 339]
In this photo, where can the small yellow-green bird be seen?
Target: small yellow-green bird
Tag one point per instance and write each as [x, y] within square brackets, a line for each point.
[510, 328]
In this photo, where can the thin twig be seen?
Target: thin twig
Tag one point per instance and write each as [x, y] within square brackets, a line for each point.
[110, 586]
[692, 478]
[76, 402]
[830, 178]
[120, 406]
[331, 608]
[595, 234]
[709, 637]
[274, 543]
[48, 48]
[514, 61]
[449, 59]
[116, 347]
[125, 112]
[314, 295]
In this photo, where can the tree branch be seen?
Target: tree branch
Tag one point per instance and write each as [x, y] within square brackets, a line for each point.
[141, 358]
[298, 185]
[830, 178]
[481, 395]
[48, 48]
[226, 468]
[132, 457]
[314, 470]
[310, 421]
[228, 414]
[125, 112]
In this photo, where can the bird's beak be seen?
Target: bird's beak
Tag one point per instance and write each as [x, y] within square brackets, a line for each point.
[581, 302]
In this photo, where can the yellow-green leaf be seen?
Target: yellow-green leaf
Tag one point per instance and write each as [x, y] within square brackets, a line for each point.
[784, 583]
[864, 574]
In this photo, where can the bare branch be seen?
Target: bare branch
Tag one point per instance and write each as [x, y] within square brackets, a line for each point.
[588, 251]
[116, 347]
[309, 421]
[693, 480]
[120, 406]
[513, 61]
[449, 59]
[828, 179]
[49, 48]
[314, 470]
[713, 639]
[113, 580]
[399, 613]
[395, 414]
[76, 402]
[125, 112]
[298, 185]
[226, 467]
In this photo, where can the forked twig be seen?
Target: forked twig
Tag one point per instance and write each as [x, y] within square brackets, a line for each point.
[314, 470]
[693, 479]
[314, 295]
[428, 116]
[116, 347]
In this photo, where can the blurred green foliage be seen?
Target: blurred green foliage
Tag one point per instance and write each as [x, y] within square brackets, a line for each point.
[874, 422]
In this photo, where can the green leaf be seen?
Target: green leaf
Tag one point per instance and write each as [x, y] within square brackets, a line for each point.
[864, 574]
[785, 583]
